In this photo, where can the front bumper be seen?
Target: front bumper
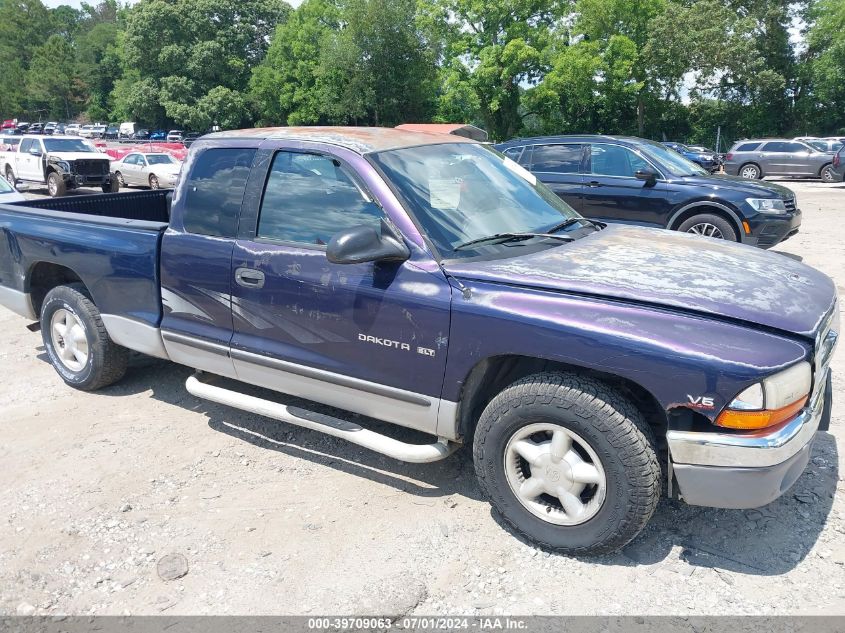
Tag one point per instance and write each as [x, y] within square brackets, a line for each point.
[769, 231]
[747, 470]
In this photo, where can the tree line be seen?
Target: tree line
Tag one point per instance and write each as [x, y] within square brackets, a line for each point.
[674, 69]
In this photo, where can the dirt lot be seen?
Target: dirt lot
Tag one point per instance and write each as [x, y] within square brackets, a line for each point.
[98, 488]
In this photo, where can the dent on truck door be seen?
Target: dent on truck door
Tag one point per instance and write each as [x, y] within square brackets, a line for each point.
[196, 260]
[369, 337]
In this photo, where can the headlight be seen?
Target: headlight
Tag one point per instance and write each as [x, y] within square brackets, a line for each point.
[772, 401]
[63, 165]
[767, 205]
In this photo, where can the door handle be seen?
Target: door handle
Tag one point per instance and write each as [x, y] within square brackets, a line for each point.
[249, 278]
[594, 183]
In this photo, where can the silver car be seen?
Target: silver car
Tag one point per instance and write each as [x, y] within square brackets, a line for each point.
[757, 158]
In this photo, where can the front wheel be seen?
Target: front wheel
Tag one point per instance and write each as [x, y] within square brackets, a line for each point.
[568, 462]
[154, 181]
[112, 186]
[10, 175]
[120, 179]
[76, 340]
[56, 186]
[709, 225]
[828, 174]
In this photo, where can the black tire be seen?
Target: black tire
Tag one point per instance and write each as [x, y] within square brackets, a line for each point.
[106, 361]
[694, 224]
[56, 186]
[609, 423]
[827, 174]
[154, 182]
[10, 175]
[751, 171]
[112, 187]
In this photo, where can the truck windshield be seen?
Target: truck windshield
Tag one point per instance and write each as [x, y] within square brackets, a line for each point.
[460, 192]
[66, 145]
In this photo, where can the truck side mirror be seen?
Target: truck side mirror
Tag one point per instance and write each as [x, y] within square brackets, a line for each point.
[647, 175]
[35, 151]
[361, 244]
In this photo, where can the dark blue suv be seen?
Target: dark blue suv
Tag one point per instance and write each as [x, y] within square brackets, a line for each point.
[636, 181]
[705, 158]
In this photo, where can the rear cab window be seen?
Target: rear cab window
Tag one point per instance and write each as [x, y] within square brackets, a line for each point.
[215, 189]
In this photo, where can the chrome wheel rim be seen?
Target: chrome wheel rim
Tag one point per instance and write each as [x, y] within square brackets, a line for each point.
[120, 180]
[153, 182]
[827, 174]
[69, 340]
[706, 229]
[750, 173]
[555, 474]
[52, 187]
[10, 177]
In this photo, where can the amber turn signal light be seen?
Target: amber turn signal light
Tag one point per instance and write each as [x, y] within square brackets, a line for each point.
[732, 419]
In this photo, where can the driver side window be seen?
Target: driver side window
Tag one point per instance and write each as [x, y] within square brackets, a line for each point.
[310, 197]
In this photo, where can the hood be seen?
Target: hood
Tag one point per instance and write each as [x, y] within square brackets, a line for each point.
[762, 188]
[675, 270]
[77, 156]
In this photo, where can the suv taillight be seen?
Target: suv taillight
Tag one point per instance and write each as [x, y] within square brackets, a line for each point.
[730, 156]
[837, 159]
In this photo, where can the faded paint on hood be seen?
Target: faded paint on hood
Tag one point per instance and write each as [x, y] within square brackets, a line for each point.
[672, 269]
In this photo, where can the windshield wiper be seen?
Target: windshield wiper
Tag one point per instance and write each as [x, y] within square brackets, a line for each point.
[567, 223]
[511, 237]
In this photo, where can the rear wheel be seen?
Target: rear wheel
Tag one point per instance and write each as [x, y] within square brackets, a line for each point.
[76, 340]
[56, 186]
[709, 225]
[828, 174]
[154, 181]
[568, 462]
[750, 171]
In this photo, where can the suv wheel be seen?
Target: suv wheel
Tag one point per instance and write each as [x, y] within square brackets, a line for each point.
[709, 225]
[750, 171]
[827, 173]
[568, 462]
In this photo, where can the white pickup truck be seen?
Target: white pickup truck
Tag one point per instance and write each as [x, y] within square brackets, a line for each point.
[61, 163]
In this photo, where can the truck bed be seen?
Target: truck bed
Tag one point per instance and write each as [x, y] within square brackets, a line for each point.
[109, 242]
[146, 206]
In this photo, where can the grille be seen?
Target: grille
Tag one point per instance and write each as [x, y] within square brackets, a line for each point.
[92, 167]
[790, 205]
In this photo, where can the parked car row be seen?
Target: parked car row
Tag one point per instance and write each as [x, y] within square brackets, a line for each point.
[706, 158]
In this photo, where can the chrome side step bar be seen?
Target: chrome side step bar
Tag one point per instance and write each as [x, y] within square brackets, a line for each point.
[415, 453]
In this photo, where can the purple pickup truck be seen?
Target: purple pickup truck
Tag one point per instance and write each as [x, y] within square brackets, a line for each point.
[428, 281]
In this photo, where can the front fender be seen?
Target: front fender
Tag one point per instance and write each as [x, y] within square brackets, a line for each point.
[681, 359]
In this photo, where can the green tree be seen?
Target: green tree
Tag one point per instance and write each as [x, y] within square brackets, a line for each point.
[184, 49]
[283, 87]
[493, 50]
[824, 100]
[53, 82]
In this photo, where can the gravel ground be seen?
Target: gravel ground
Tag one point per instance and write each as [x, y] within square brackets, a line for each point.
[141, 499]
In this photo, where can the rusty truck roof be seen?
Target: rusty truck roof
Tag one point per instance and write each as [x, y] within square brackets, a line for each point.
[358, 139]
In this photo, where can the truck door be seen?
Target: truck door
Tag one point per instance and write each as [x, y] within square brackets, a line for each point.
[368, 337]
[196, 258]
[29, 160]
